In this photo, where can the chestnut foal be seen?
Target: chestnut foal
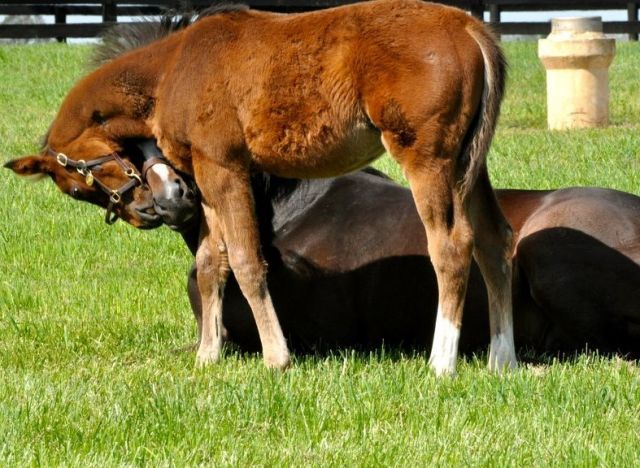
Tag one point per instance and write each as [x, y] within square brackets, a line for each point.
[314, 95]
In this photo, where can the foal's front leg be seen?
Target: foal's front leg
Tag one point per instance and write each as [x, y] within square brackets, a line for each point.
[212, 267]
[228, 204]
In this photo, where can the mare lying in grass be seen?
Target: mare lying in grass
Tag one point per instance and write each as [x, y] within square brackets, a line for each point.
[347, 268]
[347, 264]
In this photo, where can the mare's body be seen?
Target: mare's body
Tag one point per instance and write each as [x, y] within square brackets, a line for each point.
[348, 269]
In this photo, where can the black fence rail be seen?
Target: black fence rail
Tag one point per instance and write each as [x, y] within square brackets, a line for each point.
[110, 10]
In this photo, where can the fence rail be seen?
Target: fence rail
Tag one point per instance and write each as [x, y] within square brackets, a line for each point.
[111, 10]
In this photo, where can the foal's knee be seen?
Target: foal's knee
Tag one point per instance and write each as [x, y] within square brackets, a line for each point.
[212, 268]
[250, 271]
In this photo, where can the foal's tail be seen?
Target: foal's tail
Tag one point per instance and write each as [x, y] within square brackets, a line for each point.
[480, 134]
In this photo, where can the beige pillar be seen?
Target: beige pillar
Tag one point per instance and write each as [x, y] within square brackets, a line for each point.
[577, 56]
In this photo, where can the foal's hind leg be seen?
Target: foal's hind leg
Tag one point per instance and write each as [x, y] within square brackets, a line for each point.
[492, 251]
[450, 237]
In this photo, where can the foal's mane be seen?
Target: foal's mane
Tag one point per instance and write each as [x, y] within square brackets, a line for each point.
[126, 37]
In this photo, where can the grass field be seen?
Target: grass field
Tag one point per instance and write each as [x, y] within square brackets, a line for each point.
[90, 316]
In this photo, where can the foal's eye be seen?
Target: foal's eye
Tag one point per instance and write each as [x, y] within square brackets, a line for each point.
[75, 192]
[97, 117]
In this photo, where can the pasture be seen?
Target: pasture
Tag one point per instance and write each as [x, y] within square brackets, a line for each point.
[93, 317]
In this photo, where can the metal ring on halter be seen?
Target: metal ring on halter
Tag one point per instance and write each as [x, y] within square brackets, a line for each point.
[132, 174]
[115, 197]
[62, 159]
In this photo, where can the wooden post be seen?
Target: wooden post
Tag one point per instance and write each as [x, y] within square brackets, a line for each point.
[60, 17]
[632, 16]
[577, 56]
[494, 16]
[109, 12]
[477, 9]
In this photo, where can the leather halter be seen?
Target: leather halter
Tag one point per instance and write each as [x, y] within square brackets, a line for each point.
[84, 168]
[152, 155]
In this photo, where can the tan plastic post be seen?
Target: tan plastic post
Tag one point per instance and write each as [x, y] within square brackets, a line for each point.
[577, 56]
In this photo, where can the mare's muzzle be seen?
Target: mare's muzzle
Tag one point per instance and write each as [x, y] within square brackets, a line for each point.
[175, 198]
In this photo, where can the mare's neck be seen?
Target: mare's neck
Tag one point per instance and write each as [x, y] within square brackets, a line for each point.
[279, 200]
[191, 234]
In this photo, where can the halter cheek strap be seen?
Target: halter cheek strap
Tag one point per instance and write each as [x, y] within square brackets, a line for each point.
[84, 168]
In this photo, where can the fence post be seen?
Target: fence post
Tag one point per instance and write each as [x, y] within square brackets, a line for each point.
[477, 9]
[632, 16]
[109, 12]
[60, 17]
[494, 17]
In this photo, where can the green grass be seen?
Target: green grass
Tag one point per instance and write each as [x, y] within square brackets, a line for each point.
[90, 316]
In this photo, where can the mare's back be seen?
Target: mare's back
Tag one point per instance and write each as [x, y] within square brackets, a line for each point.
[610, 216]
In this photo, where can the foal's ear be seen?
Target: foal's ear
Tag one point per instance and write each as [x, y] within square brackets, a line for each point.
[30, 165]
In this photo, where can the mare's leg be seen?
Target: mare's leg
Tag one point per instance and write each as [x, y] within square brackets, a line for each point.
[492, 251]
[228, 202]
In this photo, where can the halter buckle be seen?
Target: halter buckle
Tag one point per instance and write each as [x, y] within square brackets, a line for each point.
[62, 159]
[131, 173]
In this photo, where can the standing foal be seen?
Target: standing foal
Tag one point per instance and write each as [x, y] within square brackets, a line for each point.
[315, 95]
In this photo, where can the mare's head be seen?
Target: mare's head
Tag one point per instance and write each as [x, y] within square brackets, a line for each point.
[94, 149]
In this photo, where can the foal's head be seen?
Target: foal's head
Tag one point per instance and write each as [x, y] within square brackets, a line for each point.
[89, 146]
[92, 150]
[134, 184]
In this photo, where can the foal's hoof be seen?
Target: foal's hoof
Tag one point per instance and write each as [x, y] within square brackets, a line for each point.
[278, 361]
[443, 368]
[206, 357]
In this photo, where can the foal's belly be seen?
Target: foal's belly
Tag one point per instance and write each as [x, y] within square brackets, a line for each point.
[327, 153]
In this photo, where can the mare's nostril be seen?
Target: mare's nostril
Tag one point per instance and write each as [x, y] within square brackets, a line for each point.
[180, 185]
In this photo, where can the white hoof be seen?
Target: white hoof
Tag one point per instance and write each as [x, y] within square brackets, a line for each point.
[442, 366]
[205, 357]
[444, 351]
[278, 359]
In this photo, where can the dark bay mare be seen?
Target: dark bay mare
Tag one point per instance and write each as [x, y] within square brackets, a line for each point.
[338, 279]
[306, 95]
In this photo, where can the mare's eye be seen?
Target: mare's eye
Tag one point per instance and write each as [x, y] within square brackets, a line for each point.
[75, 192]
[97, 117]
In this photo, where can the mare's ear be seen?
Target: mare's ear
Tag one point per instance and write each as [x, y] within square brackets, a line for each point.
[31, 165]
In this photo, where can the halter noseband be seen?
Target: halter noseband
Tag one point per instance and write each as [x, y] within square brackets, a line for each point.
[84, 168]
